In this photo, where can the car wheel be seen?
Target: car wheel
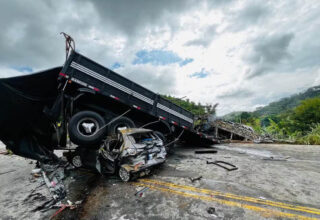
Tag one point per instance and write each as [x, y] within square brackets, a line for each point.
[76, 161]
[124, 174]
[86, 128]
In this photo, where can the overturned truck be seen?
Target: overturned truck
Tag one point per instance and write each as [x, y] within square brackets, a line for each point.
[86, 102]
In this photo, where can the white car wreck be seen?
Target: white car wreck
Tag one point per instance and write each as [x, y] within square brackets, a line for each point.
[134, 152]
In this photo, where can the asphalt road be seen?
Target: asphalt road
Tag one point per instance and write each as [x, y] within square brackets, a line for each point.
[271, 182]
[16, 185]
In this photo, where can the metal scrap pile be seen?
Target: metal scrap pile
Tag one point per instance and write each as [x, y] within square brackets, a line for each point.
[53, 176]
[228, 130]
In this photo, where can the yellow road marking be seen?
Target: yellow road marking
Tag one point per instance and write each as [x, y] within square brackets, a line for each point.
[232, 196]
[264, 211]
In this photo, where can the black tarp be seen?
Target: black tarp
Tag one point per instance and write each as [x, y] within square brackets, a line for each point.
[23, 126]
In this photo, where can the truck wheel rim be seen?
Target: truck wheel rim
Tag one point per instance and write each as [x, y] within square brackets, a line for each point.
[124, 175]
[124, 126]
[88, 127]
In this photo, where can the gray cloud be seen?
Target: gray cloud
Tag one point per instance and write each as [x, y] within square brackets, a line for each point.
[159, 79]
[130, 17]
[31, 34]
[272, 49]
[236, 93]
[267, 52]
[205, 38]
[24, 33]
[219, 3]
[282, 40]
[251, 14]
[30, 31]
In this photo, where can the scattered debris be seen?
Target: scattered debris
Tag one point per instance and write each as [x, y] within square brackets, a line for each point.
[249, 151]
[36, 175]
[32, 192]
[219, 162]
[140, 192]
[206, 152]
[4, 152]
[276, 158]
[195, 179]
[52, 175]
[62, 207]
[36, 171]
[55, 184]
[211, 210]
[78, 202]
[10, 171]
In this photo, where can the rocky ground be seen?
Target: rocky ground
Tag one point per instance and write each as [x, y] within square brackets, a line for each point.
[271, 182]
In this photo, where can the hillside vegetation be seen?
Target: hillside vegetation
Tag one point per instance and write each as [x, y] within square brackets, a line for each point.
[196, 109]
[296, 118]
[288, 103]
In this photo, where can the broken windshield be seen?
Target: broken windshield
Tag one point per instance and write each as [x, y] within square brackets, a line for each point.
[140, 138]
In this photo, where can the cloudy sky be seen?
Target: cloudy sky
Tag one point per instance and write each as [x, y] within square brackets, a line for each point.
[241, 54]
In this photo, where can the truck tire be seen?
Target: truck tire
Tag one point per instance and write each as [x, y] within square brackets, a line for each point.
[86, 128]
[120, 122]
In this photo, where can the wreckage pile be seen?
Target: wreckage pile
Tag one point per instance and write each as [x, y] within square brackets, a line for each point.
[57, 178]
[134, 154]
[236, 131]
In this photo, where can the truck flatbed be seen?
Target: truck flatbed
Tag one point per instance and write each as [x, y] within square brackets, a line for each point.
[86, 72]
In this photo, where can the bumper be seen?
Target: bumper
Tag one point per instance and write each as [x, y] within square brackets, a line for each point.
[134, 168]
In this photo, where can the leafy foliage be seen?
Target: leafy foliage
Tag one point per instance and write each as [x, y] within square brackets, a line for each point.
[288, 103]
[307, 114]
[296, 118]
[312, 137]
[196, 109]
[300, 124]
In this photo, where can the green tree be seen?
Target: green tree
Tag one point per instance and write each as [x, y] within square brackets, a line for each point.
[307, 114]
[245, 116]
[191, 106]
[313, 137]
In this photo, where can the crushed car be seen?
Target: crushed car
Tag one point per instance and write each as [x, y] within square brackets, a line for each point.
[132, 153]
[137, 152]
